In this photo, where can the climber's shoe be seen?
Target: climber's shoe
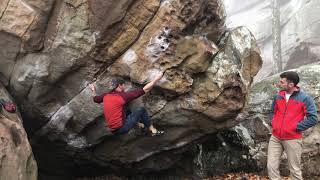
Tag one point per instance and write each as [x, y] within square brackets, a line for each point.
[158, 133]
[8, 106]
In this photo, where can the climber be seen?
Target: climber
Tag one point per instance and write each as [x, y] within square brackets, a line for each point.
[114, 102]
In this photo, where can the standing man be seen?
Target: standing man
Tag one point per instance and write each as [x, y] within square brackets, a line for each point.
[293, 111]
[114, 106]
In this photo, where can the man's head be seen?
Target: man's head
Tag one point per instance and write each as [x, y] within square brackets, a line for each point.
[288, 81]
[117, 84]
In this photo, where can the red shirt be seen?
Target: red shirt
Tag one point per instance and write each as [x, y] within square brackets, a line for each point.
[114, 106]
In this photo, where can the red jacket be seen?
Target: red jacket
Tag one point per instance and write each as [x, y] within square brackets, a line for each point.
[114, 106]
[290, 118]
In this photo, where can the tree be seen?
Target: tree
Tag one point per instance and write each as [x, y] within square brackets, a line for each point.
[276, 36]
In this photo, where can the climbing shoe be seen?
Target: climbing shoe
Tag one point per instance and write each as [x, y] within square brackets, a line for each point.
[158, 133]
[8, 106]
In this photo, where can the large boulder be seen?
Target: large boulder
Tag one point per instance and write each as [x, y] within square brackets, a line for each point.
[208, 70]
[16, 157]
[256, 130]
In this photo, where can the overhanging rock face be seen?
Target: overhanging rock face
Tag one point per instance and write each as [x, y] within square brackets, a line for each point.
[208, 70]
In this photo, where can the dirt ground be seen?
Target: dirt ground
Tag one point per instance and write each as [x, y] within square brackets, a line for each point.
[241, 176]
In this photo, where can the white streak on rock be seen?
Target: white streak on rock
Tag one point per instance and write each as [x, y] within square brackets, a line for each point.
[27, 6]
[165, 2]
[158, 44]
[129, 57]
[77, 141]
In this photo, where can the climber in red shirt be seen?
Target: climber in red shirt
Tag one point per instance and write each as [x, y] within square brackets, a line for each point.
[114, 105]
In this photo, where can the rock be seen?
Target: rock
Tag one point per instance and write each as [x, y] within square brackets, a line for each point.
[186, 123]
[258, 123]
[216, 95]
[100, 19]
[299, 32]
[162, 53]
[16, 157]
[37, 75]
[196, 57]
[126, 21]
[27, 20]
[12, 10]
[62, 46]
[10, 48]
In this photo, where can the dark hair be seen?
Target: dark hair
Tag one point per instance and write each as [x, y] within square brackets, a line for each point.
[116, 82]
[291, 76]
[120, 80]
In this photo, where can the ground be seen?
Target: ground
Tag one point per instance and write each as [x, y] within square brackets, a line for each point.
[241, 176]
[229, 176]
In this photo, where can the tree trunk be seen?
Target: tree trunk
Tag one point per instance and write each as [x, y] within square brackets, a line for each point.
[276, 36]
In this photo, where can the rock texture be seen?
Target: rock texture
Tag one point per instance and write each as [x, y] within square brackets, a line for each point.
[299, 30]
[16, 157]
[255, 132]
[52, 50]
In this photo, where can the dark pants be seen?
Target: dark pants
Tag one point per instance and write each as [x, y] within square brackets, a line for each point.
[139, 115]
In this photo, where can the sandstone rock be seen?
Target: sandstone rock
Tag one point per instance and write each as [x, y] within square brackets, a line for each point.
[22, 25]
[27, 20]
[126, 21]
[231, 71]
[184, 124]
[15, 9]
[38, 74]
[156, 49]
[8, 53]
[195, 51]
[100, 19]
[16, 158]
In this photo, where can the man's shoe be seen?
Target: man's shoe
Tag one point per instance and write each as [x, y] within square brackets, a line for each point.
[8, 106]
[158, 133]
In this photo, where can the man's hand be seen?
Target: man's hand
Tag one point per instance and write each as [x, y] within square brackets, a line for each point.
[150, 85]
[158, 76]
[93, 88]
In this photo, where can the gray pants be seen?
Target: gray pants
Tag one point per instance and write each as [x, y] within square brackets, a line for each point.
[293, 149]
